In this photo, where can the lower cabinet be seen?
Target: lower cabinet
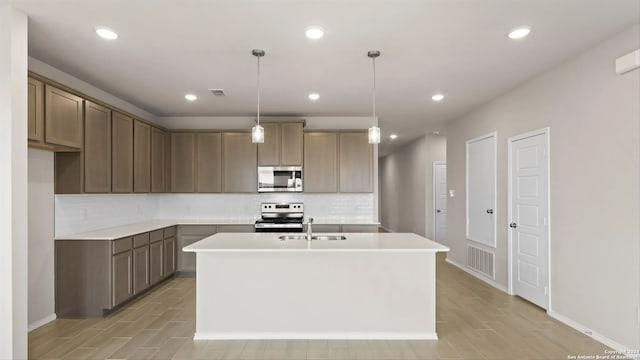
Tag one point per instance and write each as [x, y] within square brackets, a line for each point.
[121, 287]
[187, 235]
[156, 261]
[93, 277]
[140, 269]
[169, 256]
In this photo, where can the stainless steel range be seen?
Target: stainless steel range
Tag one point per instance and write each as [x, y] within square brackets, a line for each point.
[280, 217]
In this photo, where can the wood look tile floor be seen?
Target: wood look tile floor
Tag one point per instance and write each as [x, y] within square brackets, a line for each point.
[474, 321]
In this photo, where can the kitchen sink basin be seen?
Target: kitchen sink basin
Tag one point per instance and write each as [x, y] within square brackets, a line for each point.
[292, 237]
[314, 237]
[328, 237]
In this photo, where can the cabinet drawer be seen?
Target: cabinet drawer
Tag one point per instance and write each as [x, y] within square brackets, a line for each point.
[156, 235]
[141, 240]
[121, 245]
[169, 232]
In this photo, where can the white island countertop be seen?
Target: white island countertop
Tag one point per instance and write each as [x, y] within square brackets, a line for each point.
[270, 242]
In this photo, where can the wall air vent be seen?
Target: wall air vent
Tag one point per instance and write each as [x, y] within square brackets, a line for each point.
[481, 261]
[217, 92]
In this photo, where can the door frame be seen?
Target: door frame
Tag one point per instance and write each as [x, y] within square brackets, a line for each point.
[510, 247]
[493, 134]
[433, 195]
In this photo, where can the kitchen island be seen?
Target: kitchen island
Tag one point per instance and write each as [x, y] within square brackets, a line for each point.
[369, 286]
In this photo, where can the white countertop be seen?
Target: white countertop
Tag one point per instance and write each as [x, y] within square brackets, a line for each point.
[121, 231]
[259, 242]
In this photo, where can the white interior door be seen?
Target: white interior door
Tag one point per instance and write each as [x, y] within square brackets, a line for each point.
[440, 201]
[481, 190]
[529, 217]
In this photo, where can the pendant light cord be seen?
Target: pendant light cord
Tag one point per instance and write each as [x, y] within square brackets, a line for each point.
[375, 119]
[258, 89]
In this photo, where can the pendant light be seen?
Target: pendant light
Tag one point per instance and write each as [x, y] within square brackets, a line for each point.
[374, 130]
[257, 132]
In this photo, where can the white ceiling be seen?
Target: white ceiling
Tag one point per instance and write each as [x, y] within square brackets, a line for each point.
[457, 47]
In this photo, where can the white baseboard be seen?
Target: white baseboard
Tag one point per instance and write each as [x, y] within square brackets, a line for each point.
[632, 353]
[315, 336]
[595, 335]
[45, 320]
[477, 275]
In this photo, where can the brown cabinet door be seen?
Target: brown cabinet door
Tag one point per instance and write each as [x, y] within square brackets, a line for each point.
[182, 162]
[209, 163]
[140, 269]
[169, 256]
[35, 110]
[63, 118]
[121, 153]
[97, 148]
[121, 287]
[356, 163]
[157, 160]
[141, 157]
[291, 140]
[320, 162]
[269, 151]
[240, 163]
[156, 251]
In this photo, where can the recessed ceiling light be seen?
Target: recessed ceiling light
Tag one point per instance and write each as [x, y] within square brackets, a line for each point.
[106, 33]
[393, 136]
[191, 97]
[314, 96]
[519, 32]
[437, 97]
[314, 32]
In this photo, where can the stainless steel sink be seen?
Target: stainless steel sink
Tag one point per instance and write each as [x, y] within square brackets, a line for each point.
[314, 237]
[292, 237]
[328, 237]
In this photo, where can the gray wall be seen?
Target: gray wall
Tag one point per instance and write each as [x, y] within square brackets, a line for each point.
[594, 118]
[41, 244]
[406, 185]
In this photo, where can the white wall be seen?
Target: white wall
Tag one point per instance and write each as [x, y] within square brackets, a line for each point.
[80, 213]
[336, 207]
[406, 185]
[246, 122]
[41, 245]
[73, 82]
[13, 183]
[595, 166]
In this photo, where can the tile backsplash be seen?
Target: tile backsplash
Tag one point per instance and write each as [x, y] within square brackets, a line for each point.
[79, 213]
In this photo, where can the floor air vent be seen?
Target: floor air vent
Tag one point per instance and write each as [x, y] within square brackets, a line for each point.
[481, 261]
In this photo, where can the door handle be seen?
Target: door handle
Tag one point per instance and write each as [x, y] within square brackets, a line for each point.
[513, 225]
[489, 211]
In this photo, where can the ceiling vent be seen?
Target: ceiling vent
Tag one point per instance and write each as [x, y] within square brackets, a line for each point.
[217, 92]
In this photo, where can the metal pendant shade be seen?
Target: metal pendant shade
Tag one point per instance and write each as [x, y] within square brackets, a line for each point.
[257, 131]
[374, 130]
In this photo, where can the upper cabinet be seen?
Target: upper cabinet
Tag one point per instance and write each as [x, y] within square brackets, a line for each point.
[97, 149]
[35, 110]
[122, 154]
[158, 162]
[209, 162]
[321, 162]
[141, 157]
[283, 144]
[239, 163]
[63, 118]
[356, 162]
[182, 162]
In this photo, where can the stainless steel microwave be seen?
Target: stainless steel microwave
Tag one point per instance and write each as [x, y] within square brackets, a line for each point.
[279, 178]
